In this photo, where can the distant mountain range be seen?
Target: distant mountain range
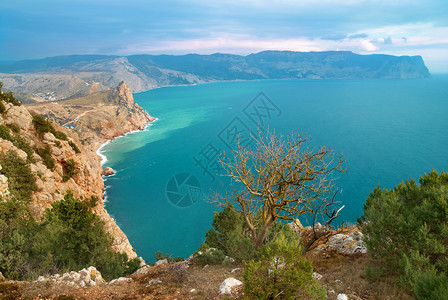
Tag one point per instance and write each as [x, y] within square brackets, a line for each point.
[65, 76]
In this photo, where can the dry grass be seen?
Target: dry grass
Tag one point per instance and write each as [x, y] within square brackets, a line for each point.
[161, 282]
[91, 99]
[346, 274]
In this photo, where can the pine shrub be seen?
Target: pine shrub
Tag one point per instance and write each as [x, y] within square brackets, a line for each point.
[407, 227]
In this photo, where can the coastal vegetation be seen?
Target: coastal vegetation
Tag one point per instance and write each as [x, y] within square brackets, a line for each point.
[69, 236]
[406, 231]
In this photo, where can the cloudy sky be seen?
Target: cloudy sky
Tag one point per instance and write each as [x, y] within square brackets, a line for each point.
[36, 29]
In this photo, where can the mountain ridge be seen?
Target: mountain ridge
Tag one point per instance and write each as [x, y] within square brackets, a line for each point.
[66, 76]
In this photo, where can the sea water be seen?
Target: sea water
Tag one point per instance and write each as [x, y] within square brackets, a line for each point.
[387, 131]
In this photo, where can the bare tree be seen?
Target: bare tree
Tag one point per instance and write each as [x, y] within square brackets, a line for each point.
[281, 178]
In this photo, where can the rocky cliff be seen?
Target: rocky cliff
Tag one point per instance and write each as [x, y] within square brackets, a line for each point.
[64, 76]
[115, 114]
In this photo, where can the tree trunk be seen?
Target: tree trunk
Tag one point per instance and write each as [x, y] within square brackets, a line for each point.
[263, 233]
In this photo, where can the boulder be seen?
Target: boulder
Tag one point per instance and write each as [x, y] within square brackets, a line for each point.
[342, 297]
[296, 226]
[4, 187]
[228, 286]
[142, 270]
[84, 278]
[49, 138]
[317, 276]
[108, 171]
[20, 116]
[346, 244]
[120, 280]
[154, 281]
[161, 262]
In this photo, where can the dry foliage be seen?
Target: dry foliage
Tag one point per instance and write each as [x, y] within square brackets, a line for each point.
[281, 179]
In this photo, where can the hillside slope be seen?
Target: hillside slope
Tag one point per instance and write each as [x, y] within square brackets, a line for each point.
[103, 122]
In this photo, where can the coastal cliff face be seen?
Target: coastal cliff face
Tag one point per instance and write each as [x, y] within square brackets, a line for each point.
[93, 128]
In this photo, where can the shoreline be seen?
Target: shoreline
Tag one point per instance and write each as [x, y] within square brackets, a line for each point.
[267, 79]
[104, 157]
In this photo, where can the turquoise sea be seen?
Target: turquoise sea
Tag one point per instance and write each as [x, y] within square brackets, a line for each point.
[387, 130]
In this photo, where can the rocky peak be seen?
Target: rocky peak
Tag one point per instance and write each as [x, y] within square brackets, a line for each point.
[122, 95]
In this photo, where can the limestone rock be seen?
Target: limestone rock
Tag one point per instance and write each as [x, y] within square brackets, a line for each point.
[4, 187]
[296, 226]
[346, 244]
[49, 138]
[120, 280]
[317, 276]
[342, 297]
[161, 262]
[108, 171]
[2, 278]
[20, 116]
[142, 270]
[84, 278]
[154, 281]
[228, 286]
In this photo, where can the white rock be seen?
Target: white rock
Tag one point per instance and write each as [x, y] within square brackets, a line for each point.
[161, 262]
[120, 280]
[342, 297]
[142, 270]
[235, 270]
[48, 138]
[317, 276]
[40, 278]
[229, 260]
[22, 154]
[227, 285]
[18, 115]
[351, 243]
[81, 283]
[154, 281]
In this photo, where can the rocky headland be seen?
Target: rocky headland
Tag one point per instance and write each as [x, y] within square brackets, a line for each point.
[87, 123]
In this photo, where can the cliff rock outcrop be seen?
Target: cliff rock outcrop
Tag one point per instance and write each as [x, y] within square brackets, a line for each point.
[96, 125]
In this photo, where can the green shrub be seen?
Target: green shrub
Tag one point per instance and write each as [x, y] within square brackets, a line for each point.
[69, 169]
[74, 238]
[8, 97]
[60, 135]
[4, 133]
[21, 180]
[430, 286]
[14, 127]
[21, 143]
[93, 201]
[45, 153]
[74, 147]
[171, 259]
[16, 228]
[230, 235]
[2, 107]
[42, 125]
[407, 227]
[281, 272]
[209, 256]
[18, 141]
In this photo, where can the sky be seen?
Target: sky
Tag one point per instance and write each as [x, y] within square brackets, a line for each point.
[36, 29]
